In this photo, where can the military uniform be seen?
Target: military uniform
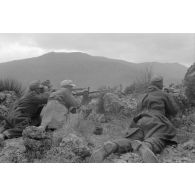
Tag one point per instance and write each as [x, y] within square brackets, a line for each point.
[152, 124]
[150, 130]
[28, 110]
[56, 112]
[65, 97]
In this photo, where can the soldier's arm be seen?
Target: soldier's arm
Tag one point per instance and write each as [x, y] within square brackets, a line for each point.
[74, 102]
[69, 100]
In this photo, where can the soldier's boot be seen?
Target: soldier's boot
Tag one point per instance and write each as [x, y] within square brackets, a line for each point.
[146, 153]
[100, 154]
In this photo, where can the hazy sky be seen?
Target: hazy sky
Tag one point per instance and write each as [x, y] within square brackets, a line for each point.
[131, 47]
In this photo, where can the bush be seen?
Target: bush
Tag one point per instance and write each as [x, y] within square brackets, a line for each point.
[11, 85]
[141, 83]
[130, 89]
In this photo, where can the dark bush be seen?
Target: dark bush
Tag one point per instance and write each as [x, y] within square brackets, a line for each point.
[9, 84]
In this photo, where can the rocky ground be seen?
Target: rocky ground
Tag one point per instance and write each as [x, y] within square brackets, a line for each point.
[77, 147]
[84, 132]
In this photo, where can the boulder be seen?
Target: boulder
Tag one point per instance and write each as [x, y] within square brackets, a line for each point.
[71, 148]
[189, 145]
[75, 144]
[13, 151]
[189, 82]
[115, 105]
[36, 142]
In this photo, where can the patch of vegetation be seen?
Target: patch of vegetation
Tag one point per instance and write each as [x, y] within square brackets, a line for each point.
[9, 84]
[141, 83]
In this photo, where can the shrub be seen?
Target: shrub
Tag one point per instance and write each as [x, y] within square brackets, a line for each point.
[141, 83]
[130, 89]
[11, 85]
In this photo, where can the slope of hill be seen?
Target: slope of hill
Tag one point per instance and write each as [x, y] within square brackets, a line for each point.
[173, 72]
[85, 70]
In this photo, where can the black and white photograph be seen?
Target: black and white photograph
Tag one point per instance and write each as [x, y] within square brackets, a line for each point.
[97, 98]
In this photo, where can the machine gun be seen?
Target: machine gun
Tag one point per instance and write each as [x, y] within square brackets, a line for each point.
[87, 94]
[80, 89]
[86, 91]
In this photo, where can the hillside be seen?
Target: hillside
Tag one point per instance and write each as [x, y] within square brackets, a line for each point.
[85, 70]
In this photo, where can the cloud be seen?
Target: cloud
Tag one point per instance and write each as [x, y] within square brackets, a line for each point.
[20, 46]
[139, 47]
[65, 50]
[18, 50]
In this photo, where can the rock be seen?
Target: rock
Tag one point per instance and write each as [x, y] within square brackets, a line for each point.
[36, 142]
[131, 157]
[71, 148]
[115, 105]
[33, 132]
[13, 151]
[119, 161]
[76, 145]
[189, 81]
[126, 156]
[108, 106]
[189, 145]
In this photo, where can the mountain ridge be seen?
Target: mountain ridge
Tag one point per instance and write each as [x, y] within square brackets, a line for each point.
[85, 70]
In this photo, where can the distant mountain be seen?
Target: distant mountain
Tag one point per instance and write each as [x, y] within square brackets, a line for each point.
[86, 70]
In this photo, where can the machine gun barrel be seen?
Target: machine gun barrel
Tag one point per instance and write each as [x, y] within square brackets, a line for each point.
[90, 92]
[80, 89]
